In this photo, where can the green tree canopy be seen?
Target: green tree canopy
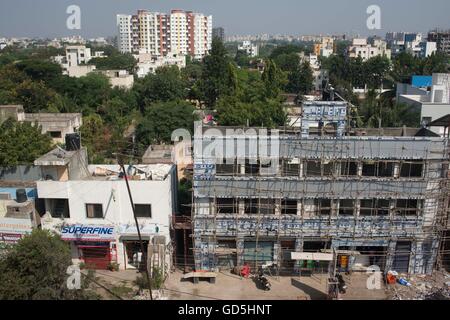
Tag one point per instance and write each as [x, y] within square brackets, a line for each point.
[21, 143]
[161, 119]
[35, 269]
[166, 84]
[215, 75]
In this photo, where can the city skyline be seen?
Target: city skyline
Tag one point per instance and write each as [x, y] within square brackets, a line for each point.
[47, 19]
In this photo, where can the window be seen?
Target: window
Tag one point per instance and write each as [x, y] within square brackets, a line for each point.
[290, 168]
[59, 208]
[227, 205]
[94, 211]
[408, 207]
[377, 169]
[373, 207]
[349, 168]
[251, 169]
[143, 210]
[411, 168]
[251, 206]
[346, 207]
[324, 207]
[313, 169]
[226, 168]
[288, 206]
[55, 134]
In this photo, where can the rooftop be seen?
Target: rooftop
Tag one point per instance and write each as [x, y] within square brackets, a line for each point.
[154, 172]
[158, 154]
[56, 157]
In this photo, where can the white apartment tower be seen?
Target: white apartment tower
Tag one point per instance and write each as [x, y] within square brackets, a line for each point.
[180, 32]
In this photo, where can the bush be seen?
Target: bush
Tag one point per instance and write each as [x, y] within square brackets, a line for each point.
[113, 266]
[157, 280]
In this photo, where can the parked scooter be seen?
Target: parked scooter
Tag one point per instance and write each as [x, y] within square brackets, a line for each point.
[341, 283]
[265, 284]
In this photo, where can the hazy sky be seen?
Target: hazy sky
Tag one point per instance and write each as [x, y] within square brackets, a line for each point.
[47, 18]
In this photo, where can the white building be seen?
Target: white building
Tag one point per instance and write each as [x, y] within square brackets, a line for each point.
[119, 78]
[361, 48]
[249, 48]
[76, 55]
[148, 63]
[433, 104]
[89, 206]
[75, 62]
[159, 34]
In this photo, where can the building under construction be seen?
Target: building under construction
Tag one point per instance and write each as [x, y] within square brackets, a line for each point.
[373, 196]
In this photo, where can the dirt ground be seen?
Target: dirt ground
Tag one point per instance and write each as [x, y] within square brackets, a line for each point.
[232, 287]
[229, 286]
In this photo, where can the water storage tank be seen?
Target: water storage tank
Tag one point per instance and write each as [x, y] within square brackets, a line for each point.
[21, 195]
[73, 142]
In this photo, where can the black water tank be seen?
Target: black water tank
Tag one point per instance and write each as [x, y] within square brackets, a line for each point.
[21, 195]
[73, 142]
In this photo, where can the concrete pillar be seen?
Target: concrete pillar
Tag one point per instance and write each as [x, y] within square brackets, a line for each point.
[301, 169]
[359, 169]
[298, 248]
[416, 263]
[277, 207]
[390, 254]
[241, 206]
[357, 207]
[242, 169]
[299, 207]
[240, 252]
[396, 170]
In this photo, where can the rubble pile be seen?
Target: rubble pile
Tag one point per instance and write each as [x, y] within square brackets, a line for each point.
[423, 287]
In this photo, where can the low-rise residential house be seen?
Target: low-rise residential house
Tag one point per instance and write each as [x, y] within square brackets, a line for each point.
[360, 47]
[90, 207]
[250, 48]
[178, 154]
[147, 63]
[433, 101]
[57, 125]
[18, 205]
[119, 78]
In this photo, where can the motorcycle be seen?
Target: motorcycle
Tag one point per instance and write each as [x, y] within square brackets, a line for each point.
[341, 284]
[265, 284]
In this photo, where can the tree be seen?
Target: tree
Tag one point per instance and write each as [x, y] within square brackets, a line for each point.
[173, 115]
[40, 70]
[273, 79]
[98, 138]
[214, 75]
[21, 143]
[242, 59]
[165, 85]
[234, 112]
[35, 269]
[116, 61]
[301, 80]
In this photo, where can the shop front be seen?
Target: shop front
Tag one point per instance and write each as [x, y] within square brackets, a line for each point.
[12, 230]
[93, 245]
[133, 257]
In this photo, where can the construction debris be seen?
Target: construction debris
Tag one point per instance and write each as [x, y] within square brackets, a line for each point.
[429, 287]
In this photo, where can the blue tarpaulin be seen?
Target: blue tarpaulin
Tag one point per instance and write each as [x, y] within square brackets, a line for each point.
[422, 81]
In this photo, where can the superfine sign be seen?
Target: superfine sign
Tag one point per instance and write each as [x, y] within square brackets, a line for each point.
[87, 233]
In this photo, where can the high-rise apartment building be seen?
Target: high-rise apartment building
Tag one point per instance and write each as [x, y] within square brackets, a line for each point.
[180, 32]
[442, 39]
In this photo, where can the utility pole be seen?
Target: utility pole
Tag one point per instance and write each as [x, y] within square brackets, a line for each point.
[137, 226]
